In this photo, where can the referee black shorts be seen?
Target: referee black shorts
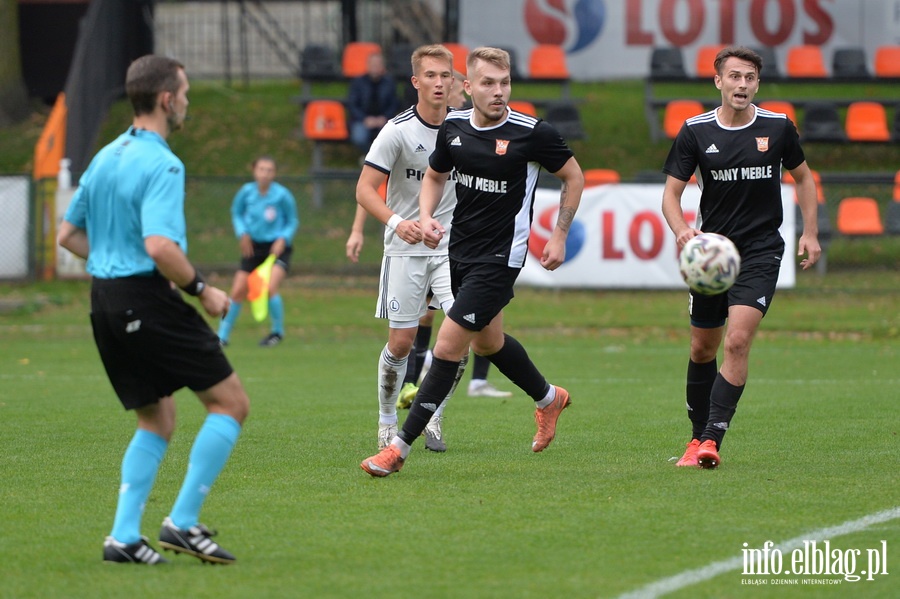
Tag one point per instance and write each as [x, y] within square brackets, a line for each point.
[755, 287]
[480, 291]
[151, 341]
[261, 251]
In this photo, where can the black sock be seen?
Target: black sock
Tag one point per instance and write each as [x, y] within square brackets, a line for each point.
[513, 361]
[480, 367]
[700, 378]
[434, 389]
[722, 405]
[411, 363]
[423, 340]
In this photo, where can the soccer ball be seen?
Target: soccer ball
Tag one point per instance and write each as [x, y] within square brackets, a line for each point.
[710, 263]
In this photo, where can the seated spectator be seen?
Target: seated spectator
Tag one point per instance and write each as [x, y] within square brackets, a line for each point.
[371, 102]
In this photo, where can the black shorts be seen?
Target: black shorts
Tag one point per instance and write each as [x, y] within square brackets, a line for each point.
[480, 291]
[755, 286]
[261, 251]
[151, 341]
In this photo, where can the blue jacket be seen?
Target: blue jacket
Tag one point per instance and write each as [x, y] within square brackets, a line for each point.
[372, 98]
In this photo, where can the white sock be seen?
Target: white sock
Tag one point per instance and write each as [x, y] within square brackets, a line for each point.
[548, 399]
[402, 446]
[391, 371]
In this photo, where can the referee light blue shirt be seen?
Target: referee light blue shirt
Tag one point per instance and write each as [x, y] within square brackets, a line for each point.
[265, 217]
[133, 188]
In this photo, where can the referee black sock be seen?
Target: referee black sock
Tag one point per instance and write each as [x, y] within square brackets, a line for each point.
[513, 361]
[700, 378]
[722, 404]
[423, 340]
[434, 389]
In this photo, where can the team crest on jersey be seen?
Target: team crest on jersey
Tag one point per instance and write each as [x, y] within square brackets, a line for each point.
[502, 145]
[762, 144]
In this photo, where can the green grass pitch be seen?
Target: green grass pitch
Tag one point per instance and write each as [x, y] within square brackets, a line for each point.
[601, 513]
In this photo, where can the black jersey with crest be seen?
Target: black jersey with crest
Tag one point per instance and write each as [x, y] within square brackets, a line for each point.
[497, 170]
[740, 174]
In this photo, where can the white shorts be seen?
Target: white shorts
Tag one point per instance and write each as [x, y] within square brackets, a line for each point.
[405, 283]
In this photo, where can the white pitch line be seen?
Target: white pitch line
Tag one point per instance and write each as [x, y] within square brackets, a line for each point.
[690, 577]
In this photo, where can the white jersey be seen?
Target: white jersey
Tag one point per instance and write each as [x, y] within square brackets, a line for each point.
[401, 151]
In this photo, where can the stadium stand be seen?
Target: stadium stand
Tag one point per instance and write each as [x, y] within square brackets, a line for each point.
[782, 106]
[667, 64]
[514, 71]
[547, 63]
[892, 217]
[460, 53]
[601, 176]
[770, 70]
[398, 61]
[821, 122]
[806, 62]
[678, 111]
[867, 121]
[324, 121]
[887, 62]
[859, 216]
[567, 120]
[354, 57]
[523, 106]
[849, 63]
[318, 63]
[703, 63]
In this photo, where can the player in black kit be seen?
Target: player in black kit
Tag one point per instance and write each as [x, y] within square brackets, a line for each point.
[497, 154]
[739, 149]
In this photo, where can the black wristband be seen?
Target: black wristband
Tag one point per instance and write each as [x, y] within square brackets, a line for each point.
[196, 286]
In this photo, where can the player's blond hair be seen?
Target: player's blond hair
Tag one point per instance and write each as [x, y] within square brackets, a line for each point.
[433, 51]
[496, 56]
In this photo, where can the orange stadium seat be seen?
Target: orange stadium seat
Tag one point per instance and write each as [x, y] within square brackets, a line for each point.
[678, 111]
[523, 106]
[859, 216]
[867, 121]
[887, 61]
[460, 52]
[806, 62]
[594, 177]
[897, 187]
[704, 63]
[782, 106]
[548, 61]
[353, 60]
[325, 120]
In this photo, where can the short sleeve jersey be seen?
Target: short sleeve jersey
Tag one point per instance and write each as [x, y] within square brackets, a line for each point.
[265, 218]
[132, 189]
[401, 151]
[740, 171]
[497, 171]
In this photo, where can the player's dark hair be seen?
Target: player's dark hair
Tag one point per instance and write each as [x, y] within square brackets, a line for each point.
[265, 158]
[147, 77]
[741, 52]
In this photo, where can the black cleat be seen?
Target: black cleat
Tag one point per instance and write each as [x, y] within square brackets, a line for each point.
[271, 340]
[139, 552]
[193, 541]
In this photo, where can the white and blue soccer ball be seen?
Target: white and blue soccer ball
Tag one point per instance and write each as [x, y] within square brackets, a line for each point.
[710, 263]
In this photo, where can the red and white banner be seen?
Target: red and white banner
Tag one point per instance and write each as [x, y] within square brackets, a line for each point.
[620, 240]
[607, 39]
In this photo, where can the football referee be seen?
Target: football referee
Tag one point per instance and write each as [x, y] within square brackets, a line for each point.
[127, 220]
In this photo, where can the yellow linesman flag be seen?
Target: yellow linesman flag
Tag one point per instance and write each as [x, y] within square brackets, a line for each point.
[258, 289]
